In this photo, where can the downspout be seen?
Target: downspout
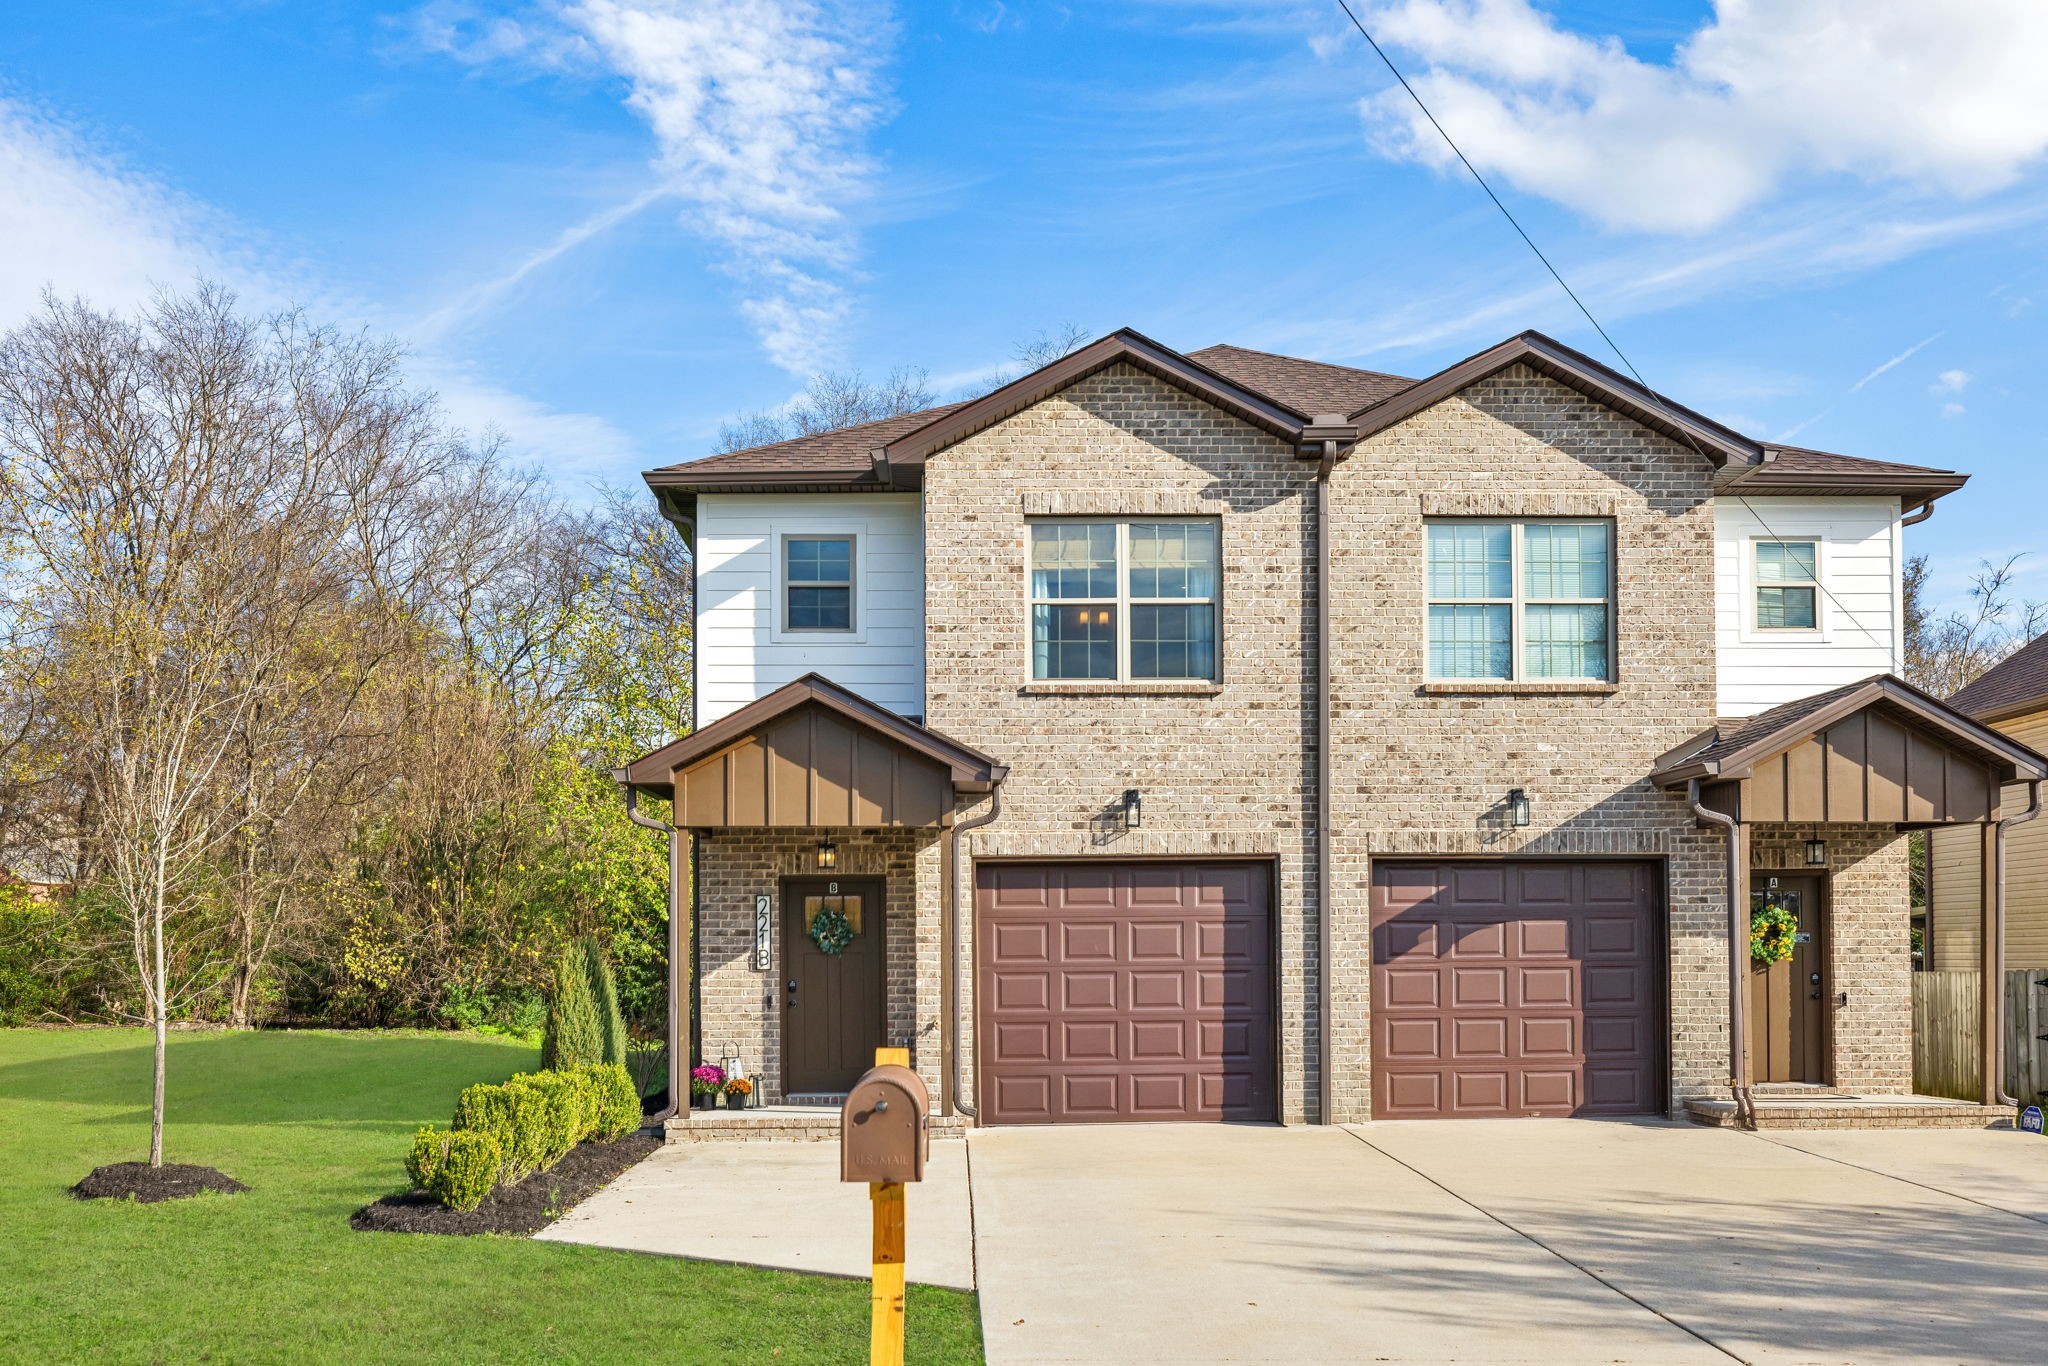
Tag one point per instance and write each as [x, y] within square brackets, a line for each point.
[1325, 1091]
[675, 1071]
[1738, 942]
[953, 833]
[1994, 1021]
[1926, 511]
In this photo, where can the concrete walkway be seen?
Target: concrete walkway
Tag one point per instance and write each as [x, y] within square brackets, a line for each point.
[1511, 1241]
[776, 1204]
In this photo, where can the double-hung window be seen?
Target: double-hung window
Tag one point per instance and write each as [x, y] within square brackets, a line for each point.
[817, 583]
[1521, 601]
[1787, 585]
[1119, 601]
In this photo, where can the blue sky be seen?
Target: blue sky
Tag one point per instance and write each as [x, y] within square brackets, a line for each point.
[606, 226]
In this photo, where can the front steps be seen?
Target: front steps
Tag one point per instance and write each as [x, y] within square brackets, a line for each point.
[1819, 1107]
[778, 1123]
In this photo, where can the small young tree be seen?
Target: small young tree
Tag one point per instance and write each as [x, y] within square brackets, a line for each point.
[574, 1036]
[604, 993]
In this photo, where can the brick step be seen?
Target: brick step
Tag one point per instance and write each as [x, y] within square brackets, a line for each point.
[786, 1124]
[1842, 1111]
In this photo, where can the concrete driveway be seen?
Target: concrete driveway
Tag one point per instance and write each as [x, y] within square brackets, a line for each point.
[1512, 1241]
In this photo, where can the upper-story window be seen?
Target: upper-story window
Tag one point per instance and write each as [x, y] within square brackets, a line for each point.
[1124, 600]
[1787, 585]
[817, 583]
[1515, 601]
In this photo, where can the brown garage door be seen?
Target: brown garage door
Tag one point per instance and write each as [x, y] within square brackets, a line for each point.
[1133, 991]
[1515, 989]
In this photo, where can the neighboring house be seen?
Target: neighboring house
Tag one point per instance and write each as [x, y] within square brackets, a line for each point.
[2013, 697]
[1077, 704]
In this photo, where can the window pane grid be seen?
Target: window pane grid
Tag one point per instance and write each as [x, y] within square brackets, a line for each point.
[817, 578]
[1520, 600]
[1787, 585]
[1117, 601]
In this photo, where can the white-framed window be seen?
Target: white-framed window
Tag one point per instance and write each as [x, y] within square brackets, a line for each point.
[1785, 585]
[816, 583]
[1517, 601]
[1119, 601]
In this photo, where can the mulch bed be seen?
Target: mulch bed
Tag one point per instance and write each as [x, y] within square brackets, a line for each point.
[519, 1210]
[149, 1185]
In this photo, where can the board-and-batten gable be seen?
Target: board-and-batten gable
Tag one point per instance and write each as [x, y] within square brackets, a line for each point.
[810, 768]
[1954, 890]
[1862, 570]
[743, 655]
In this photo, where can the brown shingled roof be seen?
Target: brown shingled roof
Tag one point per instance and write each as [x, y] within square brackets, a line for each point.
[2017, 683]
[1310, 386]
[841, 451]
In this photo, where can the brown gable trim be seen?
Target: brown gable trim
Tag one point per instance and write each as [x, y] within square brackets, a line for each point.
[970, 768]
[2022, 764]
[1122, 345]
[1574, 370]
[1916, 487]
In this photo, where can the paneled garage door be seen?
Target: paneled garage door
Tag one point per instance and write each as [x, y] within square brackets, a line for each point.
[1137, 991]
[1515, 989]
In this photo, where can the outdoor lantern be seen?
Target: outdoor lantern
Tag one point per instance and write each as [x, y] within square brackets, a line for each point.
[1518, 806]
[828, 855]
[1816, 853]
[1131, 808]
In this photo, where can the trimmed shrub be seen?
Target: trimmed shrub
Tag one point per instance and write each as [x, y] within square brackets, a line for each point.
[556, 1100]
[516, 1118]
[611, 1106]
[425, 1158]
[604, 995]
[574, 1036]
[467, 1170]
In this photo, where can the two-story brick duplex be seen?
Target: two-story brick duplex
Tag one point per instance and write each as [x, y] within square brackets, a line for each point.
[1036, 732]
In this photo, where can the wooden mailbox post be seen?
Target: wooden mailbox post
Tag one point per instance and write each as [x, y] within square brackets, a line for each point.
[884, 1139]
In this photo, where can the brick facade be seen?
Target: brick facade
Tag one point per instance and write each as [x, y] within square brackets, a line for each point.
[1227, 770]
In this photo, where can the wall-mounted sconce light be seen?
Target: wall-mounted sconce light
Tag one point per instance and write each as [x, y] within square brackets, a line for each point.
[828, 855]
[1816, 853]
[1518, 806]
[1132, 808]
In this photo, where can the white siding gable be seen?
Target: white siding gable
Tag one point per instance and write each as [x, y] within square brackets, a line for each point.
[1861, 571]
[742, 651]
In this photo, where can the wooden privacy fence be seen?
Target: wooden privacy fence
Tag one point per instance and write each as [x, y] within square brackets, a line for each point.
[1946, 1027]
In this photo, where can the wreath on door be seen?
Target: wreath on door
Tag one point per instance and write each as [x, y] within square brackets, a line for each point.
[1771, 934]
[831, 931]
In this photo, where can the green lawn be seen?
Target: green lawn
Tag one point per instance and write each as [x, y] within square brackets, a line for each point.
[316, 1124]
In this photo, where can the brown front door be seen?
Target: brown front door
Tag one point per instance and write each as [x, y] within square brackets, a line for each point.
[1515, 988]
[1116, 992]
[833, 1005]
[1787, 1002]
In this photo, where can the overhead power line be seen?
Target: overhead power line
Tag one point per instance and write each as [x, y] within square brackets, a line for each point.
[1656, 398]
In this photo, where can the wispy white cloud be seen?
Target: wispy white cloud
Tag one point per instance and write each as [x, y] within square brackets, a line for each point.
[1953, 410]
[1915, 349]
[759, 110]
[1950, 382]
[1764, 92]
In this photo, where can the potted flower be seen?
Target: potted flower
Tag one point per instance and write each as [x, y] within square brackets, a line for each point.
[736, 1092]
[706, 1079]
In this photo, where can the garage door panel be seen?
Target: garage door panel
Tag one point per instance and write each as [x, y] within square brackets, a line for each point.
[1078, 991]
[1015, 990]
[1025, 943]
[1546, 1001]
[1157, 992]
[1158, 941]
[1487, 939]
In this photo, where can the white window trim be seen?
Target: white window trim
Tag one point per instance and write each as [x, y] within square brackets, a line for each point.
[779, 535]
[1519, 599]
[1822, 630]
[1122, 601]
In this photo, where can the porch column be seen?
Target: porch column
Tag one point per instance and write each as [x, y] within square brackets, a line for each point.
[1990, 989]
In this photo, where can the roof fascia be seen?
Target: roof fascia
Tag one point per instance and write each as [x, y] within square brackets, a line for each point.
[911, 449]
[1722, 445]
[970, 768]
[1929, 711]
